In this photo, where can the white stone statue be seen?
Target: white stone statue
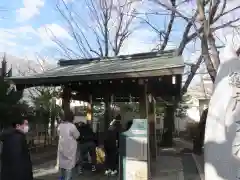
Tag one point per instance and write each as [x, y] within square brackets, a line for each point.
[222, 133]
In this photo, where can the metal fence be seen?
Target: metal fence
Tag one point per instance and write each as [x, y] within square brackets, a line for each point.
[40, 137]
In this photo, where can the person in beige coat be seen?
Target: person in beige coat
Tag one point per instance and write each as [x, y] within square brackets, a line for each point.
[67, 147]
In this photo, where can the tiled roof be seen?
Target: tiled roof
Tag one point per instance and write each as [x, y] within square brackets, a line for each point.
[120, 64]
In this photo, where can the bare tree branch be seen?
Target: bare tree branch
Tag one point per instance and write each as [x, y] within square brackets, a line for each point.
[169, 28]
[171, 8]
[185, 37]
[110, 23]
[194, 69]
[205, 23]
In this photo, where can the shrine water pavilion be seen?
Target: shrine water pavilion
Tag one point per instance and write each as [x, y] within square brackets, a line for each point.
[145, 77]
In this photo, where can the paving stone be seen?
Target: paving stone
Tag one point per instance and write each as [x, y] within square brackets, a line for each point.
[172, 164]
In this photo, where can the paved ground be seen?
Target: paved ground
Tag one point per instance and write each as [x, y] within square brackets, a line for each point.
[44, 167]
[47, 171]
[198, 159]
[176, 164]
[172, 164]
[44, 155]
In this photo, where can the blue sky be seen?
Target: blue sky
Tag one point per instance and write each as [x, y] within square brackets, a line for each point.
[23, 28]
[27, 26]
[26, 29]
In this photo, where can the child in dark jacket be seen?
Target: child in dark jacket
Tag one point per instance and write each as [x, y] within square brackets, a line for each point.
[87, 144]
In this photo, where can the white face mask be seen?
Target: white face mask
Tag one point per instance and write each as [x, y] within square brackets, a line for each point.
[26, 129]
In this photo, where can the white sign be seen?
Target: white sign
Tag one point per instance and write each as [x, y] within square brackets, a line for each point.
[136, 170]
[139, 131]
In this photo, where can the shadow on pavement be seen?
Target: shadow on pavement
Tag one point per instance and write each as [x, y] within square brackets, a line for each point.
[49, 172]
[86, 176]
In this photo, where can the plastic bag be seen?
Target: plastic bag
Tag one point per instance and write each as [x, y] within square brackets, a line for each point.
[100, 155]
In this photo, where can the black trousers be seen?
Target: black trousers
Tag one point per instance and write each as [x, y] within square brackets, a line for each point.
[111, 161]
[88, 147]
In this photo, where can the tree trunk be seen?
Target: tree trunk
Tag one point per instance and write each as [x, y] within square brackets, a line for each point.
[207, 59]
[45, 134]
[107, 113]
[53, 118]
[214, 52]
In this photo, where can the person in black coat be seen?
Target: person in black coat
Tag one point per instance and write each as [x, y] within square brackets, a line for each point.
[15, 156]
[111, 145]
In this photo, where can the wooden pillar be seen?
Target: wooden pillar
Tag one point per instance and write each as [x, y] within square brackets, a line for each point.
[152, 128]
[175, 84]
[90, 111]
[66, 100]
[143, 110]
[107, 113]
[143, 101]
[167, 139]
[147, 111]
